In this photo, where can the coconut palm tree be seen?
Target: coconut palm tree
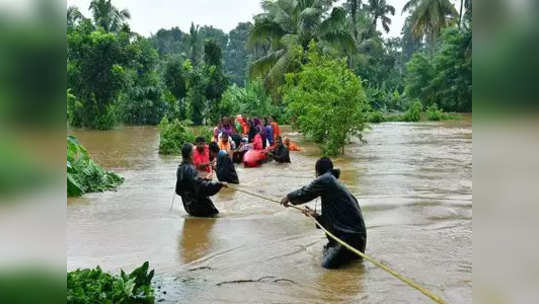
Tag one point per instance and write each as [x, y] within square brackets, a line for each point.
[429, 17]
[73, 16]
[108, 16]
[379, 10]
[287, 25]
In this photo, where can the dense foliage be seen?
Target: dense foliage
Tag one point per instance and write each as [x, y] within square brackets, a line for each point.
[327, 101]
[251, 100]
[84, 175]
[445, 76]
[96, 286]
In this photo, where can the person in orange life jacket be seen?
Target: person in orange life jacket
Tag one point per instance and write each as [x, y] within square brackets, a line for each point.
[225, 144]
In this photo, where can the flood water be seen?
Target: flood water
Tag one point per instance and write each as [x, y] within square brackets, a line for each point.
[413, 182]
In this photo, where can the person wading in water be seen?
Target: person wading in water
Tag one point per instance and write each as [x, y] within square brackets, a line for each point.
[193, 189]
[341, 214]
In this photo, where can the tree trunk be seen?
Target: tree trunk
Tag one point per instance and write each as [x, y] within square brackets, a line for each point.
[460, 13]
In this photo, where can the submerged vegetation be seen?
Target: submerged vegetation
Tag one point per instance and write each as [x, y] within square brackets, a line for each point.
[96, 286]
[84, 175]
[307, 92]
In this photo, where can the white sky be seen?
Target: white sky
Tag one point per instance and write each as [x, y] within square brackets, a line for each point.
[148, 16]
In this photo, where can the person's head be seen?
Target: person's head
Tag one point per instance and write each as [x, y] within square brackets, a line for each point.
[187, 152]
[214, 150]
[324, 165]
[224, 137]
[266, 121]
[200, 143]
[287, 141]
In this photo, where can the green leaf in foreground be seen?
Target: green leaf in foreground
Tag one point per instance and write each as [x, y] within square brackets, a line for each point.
[83, 174]
[96, 286]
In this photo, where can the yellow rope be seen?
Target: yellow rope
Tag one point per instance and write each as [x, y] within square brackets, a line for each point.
[399, 276]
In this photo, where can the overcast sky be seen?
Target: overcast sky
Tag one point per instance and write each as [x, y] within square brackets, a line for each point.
[148, 16]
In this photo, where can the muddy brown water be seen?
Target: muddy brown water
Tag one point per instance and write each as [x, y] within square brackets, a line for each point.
[413, 182]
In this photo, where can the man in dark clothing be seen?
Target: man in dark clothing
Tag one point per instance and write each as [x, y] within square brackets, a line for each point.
[280, 153]
[341, 214]
[194, 190]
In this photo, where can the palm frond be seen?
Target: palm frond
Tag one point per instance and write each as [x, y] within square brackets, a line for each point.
[409, 5]
[263, 30]
[261, 66]
[335, 21]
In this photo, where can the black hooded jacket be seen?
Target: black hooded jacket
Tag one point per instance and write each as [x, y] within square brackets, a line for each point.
[225, 169]
[341, 213]
[281, 154]
[195, 191]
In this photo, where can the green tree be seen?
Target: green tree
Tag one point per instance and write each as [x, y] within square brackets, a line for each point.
[175, 78]
[287, 25]
[444, 77]
[194, 44]
[326, 101]
[380, 9]
[237, 55]
[107, 16]
[215, 80]
[429, 17]
[142, 101]
[96, 75]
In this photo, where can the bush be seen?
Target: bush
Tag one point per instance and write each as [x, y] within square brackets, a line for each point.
[435, 114]
[376, 117]
[173, 135]
[96, 286]
[414, 112]
[327, 101]
[84, 175]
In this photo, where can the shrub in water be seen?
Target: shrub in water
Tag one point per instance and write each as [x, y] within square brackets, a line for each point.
[376, 117]
[435, 114]
[173, 135]
[414, 112]
[84, 175]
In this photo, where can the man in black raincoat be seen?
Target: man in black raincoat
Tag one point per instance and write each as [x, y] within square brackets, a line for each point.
[341, 214]
[194, 190]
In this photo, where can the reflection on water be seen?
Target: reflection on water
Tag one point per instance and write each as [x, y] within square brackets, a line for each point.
[413, 181]
[196, 238]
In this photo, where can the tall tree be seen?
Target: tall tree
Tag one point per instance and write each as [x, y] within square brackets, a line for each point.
[380, 9]
[236, 55]
[195, 44]
[107, 16]
[289, 24]
[429, 17]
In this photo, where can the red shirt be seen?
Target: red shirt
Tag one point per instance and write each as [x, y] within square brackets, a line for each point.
[201, 158]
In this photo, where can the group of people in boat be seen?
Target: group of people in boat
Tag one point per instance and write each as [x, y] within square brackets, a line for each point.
[252, 140]
[233, 140]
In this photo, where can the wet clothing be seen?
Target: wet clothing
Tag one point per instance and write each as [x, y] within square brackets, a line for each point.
[281, 154]
[195, 191]
[269, 134]
[202, 158]
[225, 169]
[341, 215]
